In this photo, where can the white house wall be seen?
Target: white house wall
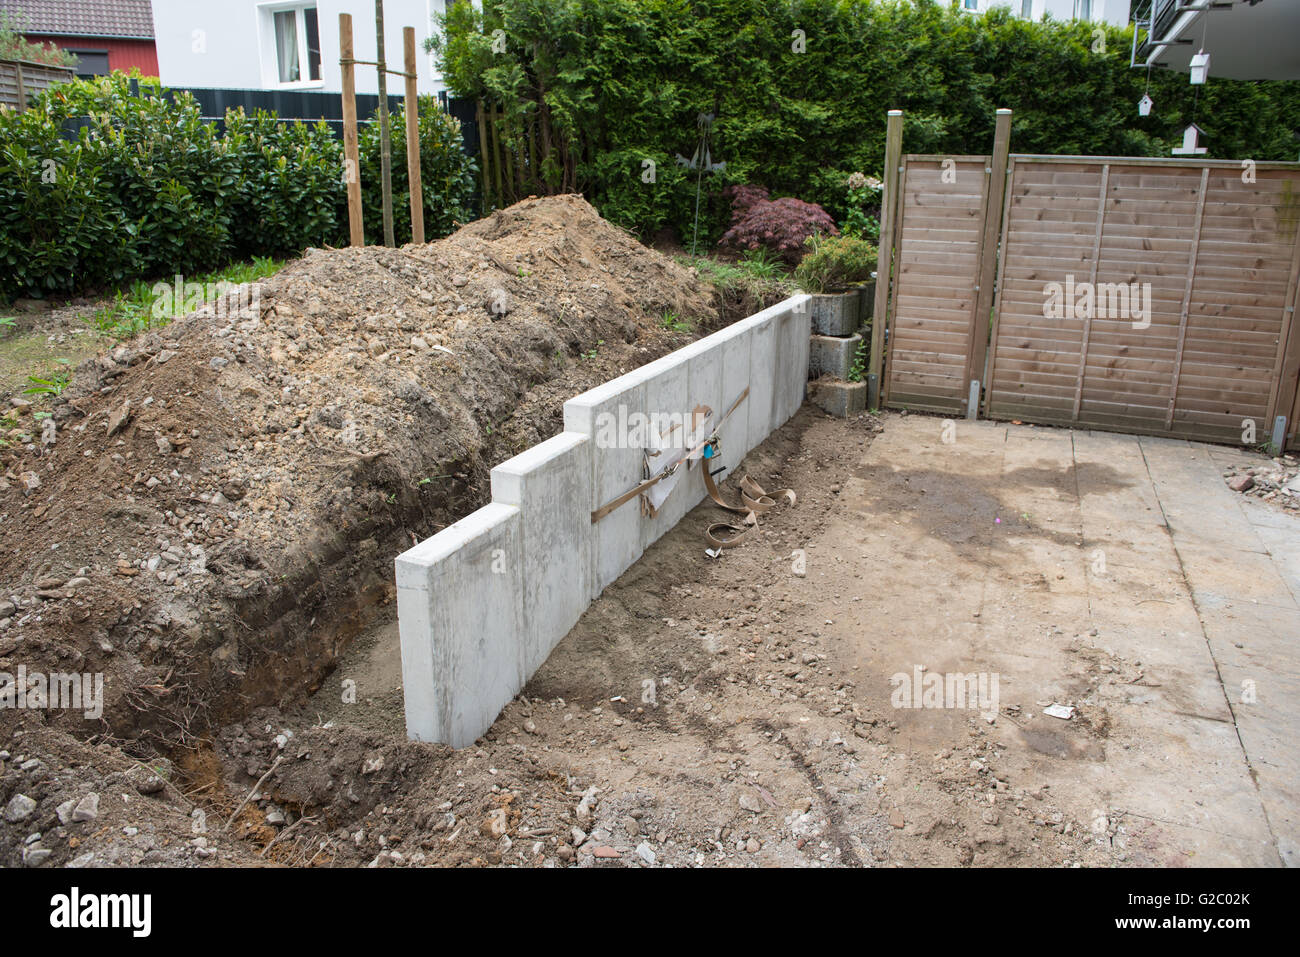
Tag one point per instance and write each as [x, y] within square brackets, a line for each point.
[1113, 12]
[230, 46]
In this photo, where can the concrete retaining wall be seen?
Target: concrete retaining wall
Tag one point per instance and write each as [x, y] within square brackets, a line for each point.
[482, 603]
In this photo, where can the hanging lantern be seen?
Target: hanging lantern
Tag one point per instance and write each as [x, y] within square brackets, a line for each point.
[1200, 68]
[1144, 105]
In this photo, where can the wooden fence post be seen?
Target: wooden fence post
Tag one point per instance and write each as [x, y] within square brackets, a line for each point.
[884, 269]
[979, 333]
[385, 136]
[352, 164]
[484, 156]
[413, 138]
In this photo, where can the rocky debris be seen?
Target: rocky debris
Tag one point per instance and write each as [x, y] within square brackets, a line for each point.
[118, 419]
[20, 808]
[87, 808]
[1276, 480]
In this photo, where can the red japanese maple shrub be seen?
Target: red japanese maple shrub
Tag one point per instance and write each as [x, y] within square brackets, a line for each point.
[778, 225]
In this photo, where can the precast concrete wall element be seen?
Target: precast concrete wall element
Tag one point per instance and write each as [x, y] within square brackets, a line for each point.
[482, 603]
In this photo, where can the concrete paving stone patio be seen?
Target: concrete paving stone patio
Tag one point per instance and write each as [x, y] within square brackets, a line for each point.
[1059, 558]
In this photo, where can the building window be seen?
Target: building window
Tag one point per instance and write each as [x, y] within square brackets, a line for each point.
[297, 44]
[1027, 9]
[1083, 9]
[90, 63]
[971, 4]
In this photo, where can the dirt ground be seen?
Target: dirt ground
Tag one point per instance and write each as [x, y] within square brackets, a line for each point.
[212, 525]
[740, 712]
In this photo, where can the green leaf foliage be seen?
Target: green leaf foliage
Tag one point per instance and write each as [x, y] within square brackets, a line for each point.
[147, 188]
[611, 83]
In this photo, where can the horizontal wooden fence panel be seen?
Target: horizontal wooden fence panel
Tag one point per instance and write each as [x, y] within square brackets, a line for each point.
[22, 80]
[941, 224]
[1181, 275]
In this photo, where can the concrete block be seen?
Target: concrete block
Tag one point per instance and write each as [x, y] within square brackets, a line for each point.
[832, 355]
[551, 486]
[836, 313]
[840, 399]
[667, 394]
[868, 307]
[762, 380]
[791, 361]
[734, 433]
[604, 414]
[460, 615]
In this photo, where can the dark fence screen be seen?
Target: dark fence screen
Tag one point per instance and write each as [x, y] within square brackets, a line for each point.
[309, 106]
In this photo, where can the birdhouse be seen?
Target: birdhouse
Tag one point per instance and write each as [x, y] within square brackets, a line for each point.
[1191, 142]
[1144, 105]
[1200, 67]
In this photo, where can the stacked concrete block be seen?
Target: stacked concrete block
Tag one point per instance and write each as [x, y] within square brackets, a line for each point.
[833, 349]
[840, 399]
[832, 355]
[482, 603]
[836, 313]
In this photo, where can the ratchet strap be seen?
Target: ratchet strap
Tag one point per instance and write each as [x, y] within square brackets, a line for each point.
[754, 499]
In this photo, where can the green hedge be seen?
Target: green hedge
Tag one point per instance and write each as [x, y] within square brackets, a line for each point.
[147, 188]
[622, 80]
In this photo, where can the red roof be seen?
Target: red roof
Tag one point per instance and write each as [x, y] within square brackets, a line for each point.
[82, 18]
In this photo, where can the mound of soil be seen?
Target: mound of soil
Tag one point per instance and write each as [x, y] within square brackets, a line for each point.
[211, 512]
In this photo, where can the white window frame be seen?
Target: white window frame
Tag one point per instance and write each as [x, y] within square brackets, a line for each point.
[270, 58]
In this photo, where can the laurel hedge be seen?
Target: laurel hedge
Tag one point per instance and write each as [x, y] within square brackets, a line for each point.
[147, 188]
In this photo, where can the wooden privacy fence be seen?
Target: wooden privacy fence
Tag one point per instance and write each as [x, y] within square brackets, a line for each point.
[1182, 280]
[936, 282]
[1151, 296]
[21, 80]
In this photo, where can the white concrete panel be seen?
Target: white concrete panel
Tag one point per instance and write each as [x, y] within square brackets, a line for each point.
[791, 371]
[616, 467]
[551, 485]
[667, 394]
[762, 380]
[460, 616]
[734, 433]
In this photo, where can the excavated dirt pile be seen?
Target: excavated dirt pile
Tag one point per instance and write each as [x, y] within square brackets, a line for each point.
[211, 511]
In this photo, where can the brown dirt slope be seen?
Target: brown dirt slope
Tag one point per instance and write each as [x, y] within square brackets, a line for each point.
[212, 511]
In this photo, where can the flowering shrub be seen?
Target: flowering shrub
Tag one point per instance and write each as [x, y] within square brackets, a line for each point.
[861, 222]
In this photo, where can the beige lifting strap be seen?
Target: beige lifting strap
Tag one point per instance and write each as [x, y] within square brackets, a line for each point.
[755, 501]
